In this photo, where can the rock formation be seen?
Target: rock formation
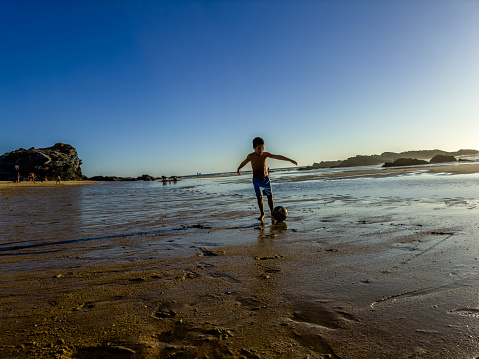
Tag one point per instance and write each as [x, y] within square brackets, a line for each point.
[361, 161]
[59, 160]
[405, 162]
[111, 178]
[118, 179]
[146, 178]
[442, 159]
[414, 162]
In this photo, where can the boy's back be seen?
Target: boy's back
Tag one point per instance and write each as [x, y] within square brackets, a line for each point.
[258, 163]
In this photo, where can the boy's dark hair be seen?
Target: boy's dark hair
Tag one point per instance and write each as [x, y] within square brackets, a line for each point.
[258, 141]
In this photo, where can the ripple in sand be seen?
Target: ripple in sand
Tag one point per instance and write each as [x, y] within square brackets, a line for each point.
[467, 312]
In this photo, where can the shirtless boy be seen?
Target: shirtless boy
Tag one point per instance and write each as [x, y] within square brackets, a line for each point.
[260, 173]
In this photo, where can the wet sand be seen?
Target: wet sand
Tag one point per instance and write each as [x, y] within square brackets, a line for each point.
[4, 184]
[9, 185]
[347, 173]
[392, 280]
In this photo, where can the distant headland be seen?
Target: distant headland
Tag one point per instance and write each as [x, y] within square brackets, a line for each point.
[389, 159]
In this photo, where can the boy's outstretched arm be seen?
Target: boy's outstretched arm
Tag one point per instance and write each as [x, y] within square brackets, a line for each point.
[282, 158]
[248, 158]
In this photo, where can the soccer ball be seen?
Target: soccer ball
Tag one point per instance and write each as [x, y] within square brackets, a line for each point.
[280, 213]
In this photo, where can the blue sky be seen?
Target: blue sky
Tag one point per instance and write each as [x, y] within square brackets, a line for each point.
[180, 87]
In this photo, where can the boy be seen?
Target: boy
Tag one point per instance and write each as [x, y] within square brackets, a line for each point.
[260, 173]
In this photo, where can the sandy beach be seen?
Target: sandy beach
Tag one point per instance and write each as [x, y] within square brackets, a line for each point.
[25, 184]
[348, 173]
[343, 277]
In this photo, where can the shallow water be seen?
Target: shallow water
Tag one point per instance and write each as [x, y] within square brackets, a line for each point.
[149, 216]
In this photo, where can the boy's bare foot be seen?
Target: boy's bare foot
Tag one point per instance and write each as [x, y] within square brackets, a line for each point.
[272, 218]
[261, 218]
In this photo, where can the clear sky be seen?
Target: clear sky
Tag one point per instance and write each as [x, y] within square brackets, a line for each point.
[180, 87]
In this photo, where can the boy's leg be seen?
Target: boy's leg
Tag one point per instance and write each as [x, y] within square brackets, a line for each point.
[271, 205]
[261, 207]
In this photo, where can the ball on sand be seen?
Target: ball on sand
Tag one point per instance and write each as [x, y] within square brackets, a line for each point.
[280, 213]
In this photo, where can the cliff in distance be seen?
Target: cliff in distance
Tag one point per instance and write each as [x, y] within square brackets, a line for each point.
[385, 157]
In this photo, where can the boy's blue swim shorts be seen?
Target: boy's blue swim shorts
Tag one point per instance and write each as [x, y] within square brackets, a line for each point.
[264, 184]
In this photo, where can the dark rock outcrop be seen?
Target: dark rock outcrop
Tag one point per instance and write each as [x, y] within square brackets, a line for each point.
[405, 162]
[326, 164]
[146, 178]
[360, 161]
[117, 179]
[443, 159]
[59, 160]
[111, 178]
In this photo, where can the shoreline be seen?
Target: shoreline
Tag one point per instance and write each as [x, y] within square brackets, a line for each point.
[458, 169]
[46, 183]
[380, 172]
[9, 185]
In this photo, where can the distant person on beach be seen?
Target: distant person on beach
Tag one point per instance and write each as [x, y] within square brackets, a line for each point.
[260, 173]
[31, 177]
[58, 180]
